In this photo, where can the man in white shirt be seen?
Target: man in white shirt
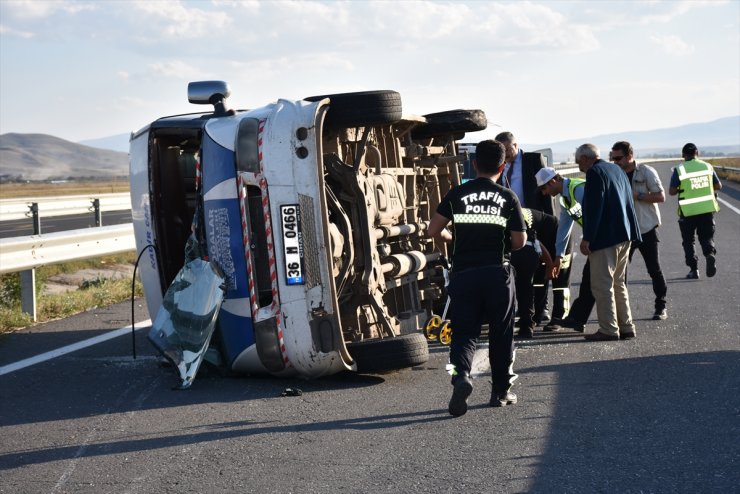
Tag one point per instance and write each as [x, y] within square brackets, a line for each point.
[647, 192]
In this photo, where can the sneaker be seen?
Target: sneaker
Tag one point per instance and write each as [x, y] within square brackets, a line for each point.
[571, 323]
[660, 315]
[627, 336]
[711, 265]
[544, 317]
[503, 399]
[694, 274]
[461, 390]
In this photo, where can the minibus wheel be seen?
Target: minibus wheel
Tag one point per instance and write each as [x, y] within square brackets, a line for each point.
[399, 352]
[450, 122]
[361, 109]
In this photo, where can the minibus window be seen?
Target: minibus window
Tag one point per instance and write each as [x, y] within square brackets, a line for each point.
[247, 149]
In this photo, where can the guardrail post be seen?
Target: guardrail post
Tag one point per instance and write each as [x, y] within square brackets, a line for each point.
[28, 277]
[98, 214]
[34, 207]
[28, 293]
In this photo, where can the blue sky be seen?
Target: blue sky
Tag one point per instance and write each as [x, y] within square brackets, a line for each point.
[546, 71]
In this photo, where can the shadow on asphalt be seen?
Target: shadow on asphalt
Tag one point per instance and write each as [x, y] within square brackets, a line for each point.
[211, 433]
[632, 415]
[665, 423]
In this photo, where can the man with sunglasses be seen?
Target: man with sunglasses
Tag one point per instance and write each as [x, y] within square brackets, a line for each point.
[647, 193]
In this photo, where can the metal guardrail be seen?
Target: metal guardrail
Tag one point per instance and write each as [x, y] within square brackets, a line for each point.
[20, 208]
[728, 169]
[32, 251]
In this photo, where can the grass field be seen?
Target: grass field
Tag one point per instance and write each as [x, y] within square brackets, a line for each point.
[729, 163]
[93, 293]
[34, 189]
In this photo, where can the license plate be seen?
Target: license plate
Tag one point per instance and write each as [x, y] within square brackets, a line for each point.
[290, 217]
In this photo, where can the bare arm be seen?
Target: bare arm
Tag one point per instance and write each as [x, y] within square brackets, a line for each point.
[518, 239]
[651, 197]
[437, 228]
[549, 263]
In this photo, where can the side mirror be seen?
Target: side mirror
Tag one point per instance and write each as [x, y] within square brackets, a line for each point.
[209, 92]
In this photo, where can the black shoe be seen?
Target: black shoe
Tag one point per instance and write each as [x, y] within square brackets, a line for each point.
[711, 265]
[599, 336]
[627, 336]
[571, 323]
[525, 333]
[545, 317]
[693, 275]
[660, 315]
[459, 402]
[553, 326]
[503, 399]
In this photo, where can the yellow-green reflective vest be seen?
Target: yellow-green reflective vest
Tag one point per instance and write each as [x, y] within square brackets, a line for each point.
[696, 188]
[573, 207]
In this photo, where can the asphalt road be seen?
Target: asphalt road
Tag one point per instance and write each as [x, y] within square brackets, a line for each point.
[660, 413]
[19, 228]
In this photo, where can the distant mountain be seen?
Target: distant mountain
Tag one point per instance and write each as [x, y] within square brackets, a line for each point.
[115, 143]
[45, 157]
[718, 136]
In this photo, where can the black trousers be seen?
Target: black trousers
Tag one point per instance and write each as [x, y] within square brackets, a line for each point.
[525, 262]
[478, 295]
[649, 250]
[703, 226]
[580, 309]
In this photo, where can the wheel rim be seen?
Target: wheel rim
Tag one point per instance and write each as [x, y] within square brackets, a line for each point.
[445, 334]
[431, 326]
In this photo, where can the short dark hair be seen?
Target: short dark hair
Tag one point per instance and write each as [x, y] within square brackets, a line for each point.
[489, 155]
[689, 149]
[505, 137]
[623, 146]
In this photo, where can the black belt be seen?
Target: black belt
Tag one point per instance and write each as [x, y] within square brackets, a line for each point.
[505, 263]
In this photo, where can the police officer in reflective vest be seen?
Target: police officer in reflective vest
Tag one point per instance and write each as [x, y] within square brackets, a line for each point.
[696, 184]
[570, 191]
[487, 224]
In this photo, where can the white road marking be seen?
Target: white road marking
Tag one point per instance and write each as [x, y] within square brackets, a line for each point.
[481, 364]
[6, 369]
[729, 205]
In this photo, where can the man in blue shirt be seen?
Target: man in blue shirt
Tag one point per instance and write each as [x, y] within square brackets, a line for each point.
[519, 176]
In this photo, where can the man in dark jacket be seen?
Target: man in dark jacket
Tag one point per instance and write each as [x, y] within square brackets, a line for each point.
[609, 226]
[519, 176]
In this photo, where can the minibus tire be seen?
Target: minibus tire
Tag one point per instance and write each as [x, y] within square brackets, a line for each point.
[400, 352]
[361, 109]
[450, 122]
